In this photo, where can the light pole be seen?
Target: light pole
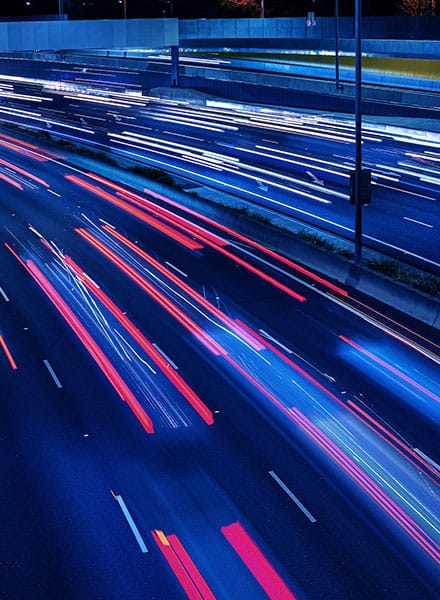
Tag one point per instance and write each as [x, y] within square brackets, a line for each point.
[262, 9]
[124, 7]
[338, 84]
[358, 133]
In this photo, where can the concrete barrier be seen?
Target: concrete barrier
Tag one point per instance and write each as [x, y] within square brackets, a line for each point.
[396, 295]
[375, 28]
[59, 35]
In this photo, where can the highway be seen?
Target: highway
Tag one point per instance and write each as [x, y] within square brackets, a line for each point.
[186, 413]
[295, 163]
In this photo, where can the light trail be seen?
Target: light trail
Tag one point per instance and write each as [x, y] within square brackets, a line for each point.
[141, 215]
[11, 181]
[88, 342]
[278, 257]
[155, 355]
[208, 239]
[384, 433]
[182, 566]
[230, 323]
[418, 535]
[390, 368]
[24, 172]
[256, 562]
[8, 353]
[392, 330]
[171, 308]
[29, 150]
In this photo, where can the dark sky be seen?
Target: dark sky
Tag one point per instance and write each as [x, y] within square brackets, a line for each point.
[183, 8]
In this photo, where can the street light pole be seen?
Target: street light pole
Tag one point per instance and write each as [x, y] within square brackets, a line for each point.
[358, 134]
[338, 85]
[60, 9]
[262, 9]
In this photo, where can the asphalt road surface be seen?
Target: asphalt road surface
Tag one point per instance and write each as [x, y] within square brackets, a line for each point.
[187, 414]
[298, 164]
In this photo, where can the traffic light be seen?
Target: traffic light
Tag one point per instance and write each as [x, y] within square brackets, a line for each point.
[365, 186]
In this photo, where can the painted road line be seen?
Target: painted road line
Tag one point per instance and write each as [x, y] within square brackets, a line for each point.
[167, 358]
[130, 521]
[54, 193]
[292, 496]
[3, 293]
[53, 374]
[418, 222]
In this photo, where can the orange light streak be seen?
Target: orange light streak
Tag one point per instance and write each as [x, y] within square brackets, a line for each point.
[183, 567]
[8, 353]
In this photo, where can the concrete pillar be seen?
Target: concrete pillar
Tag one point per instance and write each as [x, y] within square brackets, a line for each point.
[174, 66]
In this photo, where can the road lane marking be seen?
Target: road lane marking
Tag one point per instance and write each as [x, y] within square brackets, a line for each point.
[53, 374]
[130, 521]
[54, 193]
[314, 178]
[418, 222]
[167, 358]
[292, 496]
[3, 293]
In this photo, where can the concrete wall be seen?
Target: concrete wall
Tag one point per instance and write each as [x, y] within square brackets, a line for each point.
[160, 33]
[421, 28]
[58, 35]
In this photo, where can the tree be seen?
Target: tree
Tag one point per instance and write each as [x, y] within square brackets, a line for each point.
[417, 8]
[246, 8]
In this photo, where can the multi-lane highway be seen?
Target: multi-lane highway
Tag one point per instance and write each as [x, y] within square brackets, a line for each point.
[186, 413]
[295, 163]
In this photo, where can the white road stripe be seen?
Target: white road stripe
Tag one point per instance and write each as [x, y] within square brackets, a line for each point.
[3, 293]
[418, 222]
[292, 496]
[53, 374]
[132, 524]
[54, 193]
[167, 358]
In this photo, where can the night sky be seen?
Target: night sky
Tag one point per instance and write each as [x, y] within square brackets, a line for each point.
[187, 9]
